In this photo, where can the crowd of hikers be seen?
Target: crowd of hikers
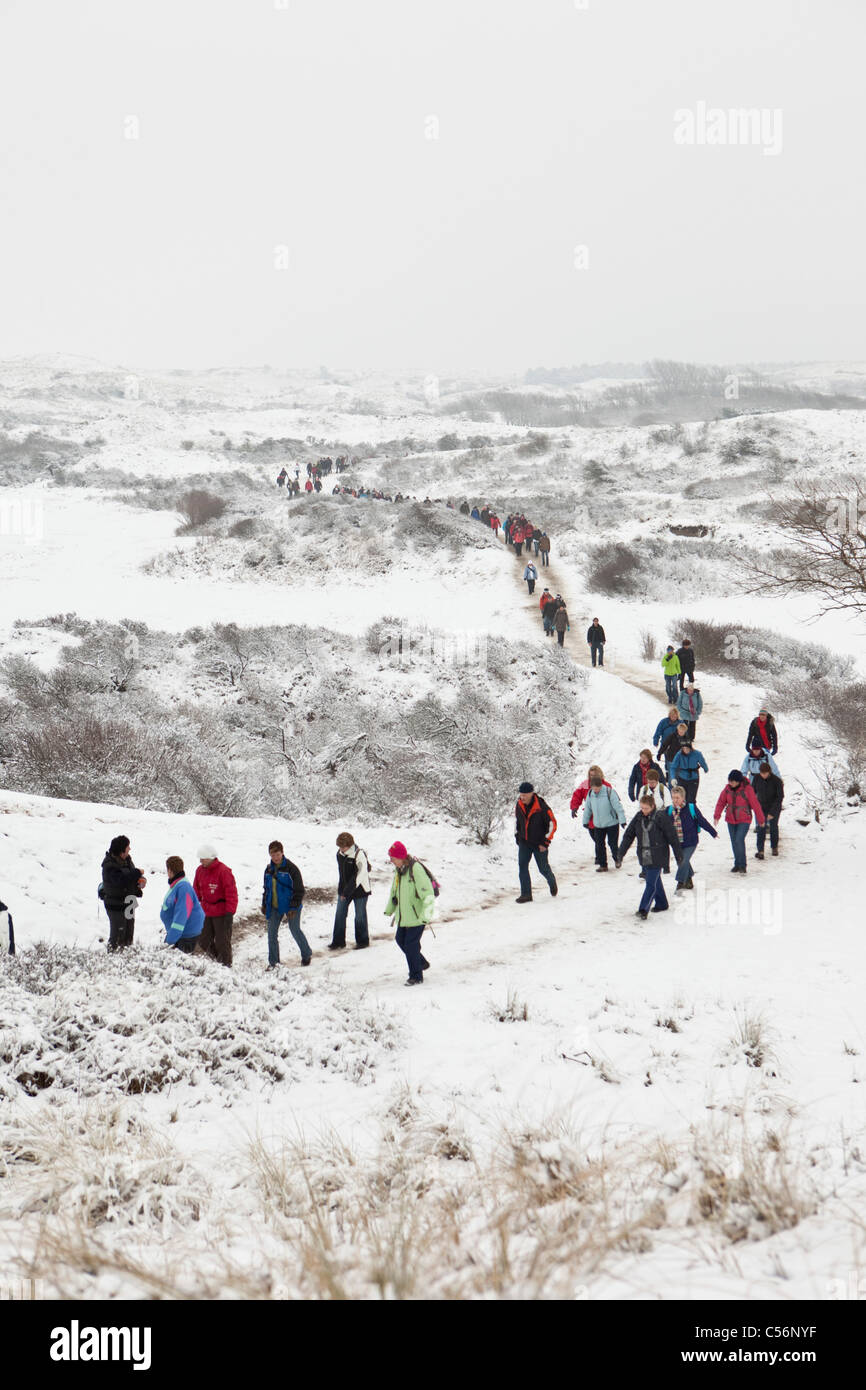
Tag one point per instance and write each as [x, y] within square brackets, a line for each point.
[198, 913]
[315, 473]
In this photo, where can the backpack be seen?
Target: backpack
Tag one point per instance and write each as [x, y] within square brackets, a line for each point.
[433, 881]
[100, 892]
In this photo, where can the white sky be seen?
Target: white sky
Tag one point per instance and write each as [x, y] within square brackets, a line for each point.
[305, 126]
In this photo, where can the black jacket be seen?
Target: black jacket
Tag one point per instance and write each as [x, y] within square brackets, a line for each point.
[535, 824]
[595, 634]
[670, 746]
[119, 881]
[347, 868]
[298, 889]
[687, 660]
[662, 836]
[770, 793]
[772, 734]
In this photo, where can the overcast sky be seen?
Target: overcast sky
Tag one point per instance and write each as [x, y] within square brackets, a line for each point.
[308, 126]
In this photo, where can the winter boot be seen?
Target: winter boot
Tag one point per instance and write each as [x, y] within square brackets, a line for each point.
[524, 898]
[759, 854]
[642, 915]
[554, 888]
[775, 853]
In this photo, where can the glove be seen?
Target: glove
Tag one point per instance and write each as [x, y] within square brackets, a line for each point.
[574, 814]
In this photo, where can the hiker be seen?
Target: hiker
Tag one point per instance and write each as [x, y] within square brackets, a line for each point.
[536, 540]
[308, 485]
[688, 822]
[181, 912]
[581, 792]
[654, 786]
[560, 622]
[122, 885]
[411, 905]
[475, 514]
[464, 508]
[353, 886]
[686, 769]
[737, 801]
[763, 730]
[655, 837]
[530, 574]
[547, 612]
[639, 773]
[283, 897]
[666, 726]
[517, 537]
[671, 670]
[596, 639]
[216, 890]
[686, 658]
[604, 808]
[495, 524]
[770, 792]
[281, 477]
[535, 827]
[544, 548]
[672, 745]
[753, 759]
[690, 704]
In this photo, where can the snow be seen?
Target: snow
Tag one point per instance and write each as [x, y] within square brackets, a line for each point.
[709, 1064]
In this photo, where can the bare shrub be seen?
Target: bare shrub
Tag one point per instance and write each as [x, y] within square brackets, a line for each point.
[198, 507]
[647, 644]
[515, 1010]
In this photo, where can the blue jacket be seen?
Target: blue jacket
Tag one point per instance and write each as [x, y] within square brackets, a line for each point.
[277, 874]
[685, 767]
[663, 728]
[181, 913]
[636, 780]
[683, 705]
[604, 808]
[692, 822]
[751, 766]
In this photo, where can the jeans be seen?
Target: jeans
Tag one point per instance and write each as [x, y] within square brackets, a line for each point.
[738, 835]
[653, 889]
[684, 870]
[597, 649]
[121, 928]
[545, 557]
[524, 855]
[603, 836]
[773, 827]
[294, 920]
[690, 787]
[409, 941]
[362, 934]
[671, 689]
[531, 583]
[560, 637]
[186, 945]
[216, 938]
[535, 543]
[518, 547]
[548, 626]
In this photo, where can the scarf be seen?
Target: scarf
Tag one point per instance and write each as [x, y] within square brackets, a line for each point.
[678, 825]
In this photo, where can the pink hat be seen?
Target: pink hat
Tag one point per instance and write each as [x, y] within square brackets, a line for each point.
[398, 851]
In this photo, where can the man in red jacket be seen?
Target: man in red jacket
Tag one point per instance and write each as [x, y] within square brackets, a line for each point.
[216, 890]
[738, 801]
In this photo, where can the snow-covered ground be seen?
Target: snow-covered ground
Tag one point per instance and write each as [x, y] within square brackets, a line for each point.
[576, 1104]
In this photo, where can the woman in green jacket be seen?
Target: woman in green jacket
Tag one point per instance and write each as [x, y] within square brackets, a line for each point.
[671, 668]
[411, 905]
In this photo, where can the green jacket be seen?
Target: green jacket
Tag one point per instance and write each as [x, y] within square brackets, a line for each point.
[671, 665]
[411, 897]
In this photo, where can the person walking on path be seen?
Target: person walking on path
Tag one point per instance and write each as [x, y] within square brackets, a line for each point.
[216, 890]
[655, 837]
[671, 746]
[181, 912]
[655, 787]
[763, 730]
[688, 822]
[411, 905]
[770, 791]
[535, 827]
[283, 898]
[122, 885]
[671, 671]
[752, 762]
[686, 658]
[581, 792]
[690, 705]
[560, 622]
[544, 548]
[604, 808]
[640, 773]
[737, 802]
[548, 611]
[595, 640]
[353, 887]
[686, 770]
[530, 574]
[665, 727]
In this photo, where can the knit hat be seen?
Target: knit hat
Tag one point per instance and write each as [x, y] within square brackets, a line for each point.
[206, 852]
[525, 787]
[735, 775]
[398, 851]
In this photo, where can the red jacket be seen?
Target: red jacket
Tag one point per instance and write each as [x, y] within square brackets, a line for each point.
[545, 598]
[738, 804]
[308, 486]
[216, 889]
